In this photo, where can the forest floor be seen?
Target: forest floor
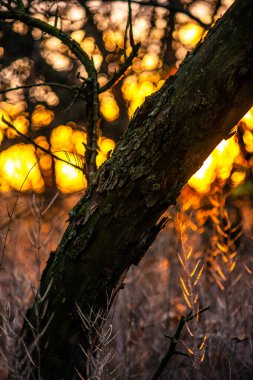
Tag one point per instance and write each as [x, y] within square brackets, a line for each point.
[203, 258]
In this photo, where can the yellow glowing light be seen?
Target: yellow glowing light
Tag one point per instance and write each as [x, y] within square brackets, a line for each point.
[113, 39]
[237, 178]
[219, 164]
[68, 178]
[100, 159]
[202, 179]
[4, 116]
[190, 34]
[98, 59]
[160, 84]
[78, 35]
[61, 138]
[41, 117]
[146, 89]
[21, 124]
[1, 135]
[136, 88]
[45, 161]
[150, 61]
[135, 103]
[130, 87]
[13, 110]
[248, 118]
[88, 45]
[19, 169]
[79, 140]
[248, 140]
[109, 107]
[106, 145]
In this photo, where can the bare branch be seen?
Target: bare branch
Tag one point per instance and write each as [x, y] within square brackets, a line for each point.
[25, 87]
[74, 47]
[174, 340]
[128, 62]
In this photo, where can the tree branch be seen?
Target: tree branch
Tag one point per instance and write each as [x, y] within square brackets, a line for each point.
[73, 46]
[174, 340]
[28, 86]
[122, 69]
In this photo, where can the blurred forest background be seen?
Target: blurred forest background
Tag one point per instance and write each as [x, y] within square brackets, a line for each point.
[203, 258]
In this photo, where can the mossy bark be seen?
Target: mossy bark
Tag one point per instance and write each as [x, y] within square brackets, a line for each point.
[117, 219]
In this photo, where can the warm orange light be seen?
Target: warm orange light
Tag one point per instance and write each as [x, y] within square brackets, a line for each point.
[4, 116]
[189, 34]
[61, 138]
[100, 159]
[109, 107]
[88, 45]
[79, 141]
[1, 135]
[41, 117]
[219, 164]
[68, 178]
[150, 61]
[13, 110]
[248, 140]
[237, 178]
[19, 169]
[21, 123]
[106, 145]
[78, 35]
[248, 119]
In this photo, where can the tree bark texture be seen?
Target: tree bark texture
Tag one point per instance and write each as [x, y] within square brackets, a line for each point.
[117, 219]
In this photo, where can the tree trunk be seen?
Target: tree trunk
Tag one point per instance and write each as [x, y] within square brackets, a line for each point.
[114, 223]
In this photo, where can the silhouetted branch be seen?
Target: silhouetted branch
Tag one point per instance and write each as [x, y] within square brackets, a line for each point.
[74, 47]
[28, 86]
[174, 340]
[92, 130]
[128, 62]
[29, 139]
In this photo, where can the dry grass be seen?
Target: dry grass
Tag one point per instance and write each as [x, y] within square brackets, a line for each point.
[154, 298]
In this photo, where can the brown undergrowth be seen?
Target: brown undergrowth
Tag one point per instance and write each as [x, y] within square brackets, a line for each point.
[202, 258]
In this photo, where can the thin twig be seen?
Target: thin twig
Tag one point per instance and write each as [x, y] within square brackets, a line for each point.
[39, 146]
[128, 62]
[92, 167]
[28, 86]
[174, 340]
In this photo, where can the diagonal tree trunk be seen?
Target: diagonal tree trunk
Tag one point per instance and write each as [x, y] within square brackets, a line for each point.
[116, 220]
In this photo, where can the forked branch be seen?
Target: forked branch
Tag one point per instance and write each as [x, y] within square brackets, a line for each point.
[174, 340]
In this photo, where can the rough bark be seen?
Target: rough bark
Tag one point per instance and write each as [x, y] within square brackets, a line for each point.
[116, 220]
